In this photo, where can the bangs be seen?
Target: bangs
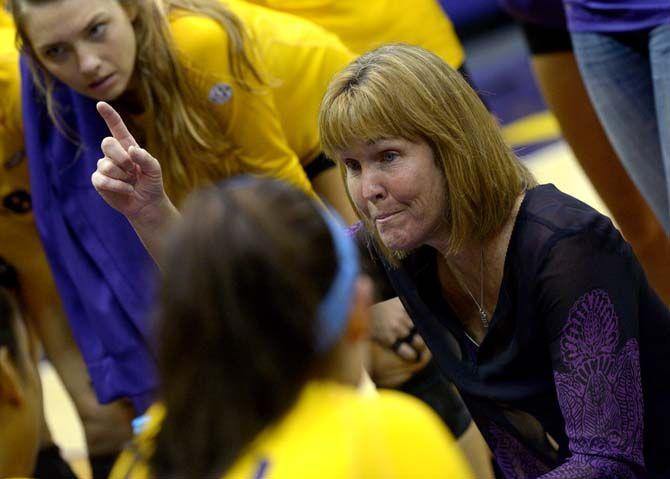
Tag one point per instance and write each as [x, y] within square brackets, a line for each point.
[358, 113]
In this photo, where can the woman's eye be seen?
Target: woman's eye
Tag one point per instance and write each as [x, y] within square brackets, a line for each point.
[389, 155]
[56, 52]
[352, 165]
[97, 30]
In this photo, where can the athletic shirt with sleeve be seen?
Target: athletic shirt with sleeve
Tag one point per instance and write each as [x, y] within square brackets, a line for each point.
[274, 130]
[334, 432]
[104, 275]
[568, 381]
[364, 25]
[612, 16]
[19, 243]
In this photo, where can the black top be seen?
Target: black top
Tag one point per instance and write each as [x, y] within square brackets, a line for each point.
[571, 379]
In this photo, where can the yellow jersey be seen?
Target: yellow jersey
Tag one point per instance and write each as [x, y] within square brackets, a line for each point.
[333, 432]
[365, 24]
[273, 130]
[19, 242]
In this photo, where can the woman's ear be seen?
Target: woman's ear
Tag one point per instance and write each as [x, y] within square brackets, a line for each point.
[11, 387]
[357, 329]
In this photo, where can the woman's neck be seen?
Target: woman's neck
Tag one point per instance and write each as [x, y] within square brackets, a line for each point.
[130, 102]
[345, 364]
[471, 279]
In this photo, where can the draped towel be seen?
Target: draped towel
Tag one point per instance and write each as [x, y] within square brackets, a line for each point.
[103, 273]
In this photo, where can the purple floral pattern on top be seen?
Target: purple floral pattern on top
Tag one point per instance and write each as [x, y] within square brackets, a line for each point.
[599, 392]
[514, 459]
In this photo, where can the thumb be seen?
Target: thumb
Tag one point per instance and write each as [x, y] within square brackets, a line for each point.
[147, 163]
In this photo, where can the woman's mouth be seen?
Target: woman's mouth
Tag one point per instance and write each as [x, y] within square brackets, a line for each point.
[103, 83]
[385, 217]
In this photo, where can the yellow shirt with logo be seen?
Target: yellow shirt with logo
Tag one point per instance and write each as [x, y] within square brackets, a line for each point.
[19, 242]
[274, 129]
[334, 432]
[365, 24]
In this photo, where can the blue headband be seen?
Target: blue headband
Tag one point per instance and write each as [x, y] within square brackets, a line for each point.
[333, 312]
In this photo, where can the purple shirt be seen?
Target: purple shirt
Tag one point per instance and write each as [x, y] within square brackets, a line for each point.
[616, 15]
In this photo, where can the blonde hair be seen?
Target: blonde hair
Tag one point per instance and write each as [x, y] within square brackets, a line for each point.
[175, 108]
[408, 92]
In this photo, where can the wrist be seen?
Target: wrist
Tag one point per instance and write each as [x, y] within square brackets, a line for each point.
[86, 403]
[155, 215]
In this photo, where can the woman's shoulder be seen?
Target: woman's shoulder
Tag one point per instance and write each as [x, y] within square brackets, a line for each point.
[390, 432]
[412, 437]
[546, 211]
[551, 223]
[201, 40]
[264, 26]
[275, 41]
[271, 26]
[555, 231]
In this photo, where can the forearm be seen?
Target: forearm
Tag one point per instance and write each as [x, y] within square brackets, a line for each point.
[64, 354]
[106, 426]
[152, 226]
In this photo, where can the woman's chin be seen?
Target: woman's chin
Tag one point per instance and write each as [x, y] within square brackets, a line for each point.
[397, 242]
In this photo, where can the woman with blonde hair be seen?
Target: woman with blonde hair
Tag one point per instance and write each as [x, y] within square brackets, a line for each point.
[291, 409]
[154, 58]
[217, 88]
[530, 301]
[103, 425]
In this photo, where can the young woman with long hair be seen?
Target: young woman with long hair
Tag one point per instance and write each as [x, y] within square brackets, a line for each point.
[218, 88]
[291, 408]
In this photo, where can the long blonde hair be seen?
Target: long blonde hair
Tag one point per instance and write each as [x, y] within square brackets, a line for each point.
[196, 151]
[408, 92]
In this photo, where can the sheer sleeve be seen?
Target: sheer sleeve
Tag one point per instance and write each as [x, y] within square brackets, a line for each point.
[588, 289]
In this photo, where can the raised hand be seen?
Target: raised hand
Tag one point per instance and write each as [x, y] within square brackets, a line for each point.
[128, 178]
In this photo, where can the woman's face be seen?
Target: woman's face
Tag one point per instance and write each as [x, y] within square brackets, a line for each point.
[89, 45]
[397, 186]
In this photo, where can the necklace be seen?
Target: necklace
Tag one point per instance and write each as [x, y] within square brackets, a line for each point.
[483, 315]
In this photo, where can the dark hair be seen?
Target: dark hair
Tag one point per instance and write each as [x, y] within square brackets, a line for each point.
[244, 274]
[9, 286]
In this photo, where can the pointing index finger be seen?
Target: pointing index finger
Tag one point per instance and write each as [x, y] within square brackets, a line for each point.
[116, 125]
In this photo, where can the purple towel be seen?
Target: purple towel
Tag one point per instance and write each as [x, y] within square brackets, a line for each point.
[103, 273]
